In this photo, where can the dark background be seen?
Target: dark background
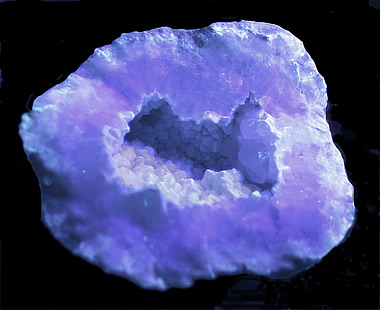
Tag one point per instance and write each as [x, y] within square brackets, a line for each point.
[42, 42]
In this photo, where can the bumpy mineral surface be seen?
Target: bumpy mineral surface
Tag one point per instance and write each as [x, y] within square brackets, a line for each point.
[175, 155]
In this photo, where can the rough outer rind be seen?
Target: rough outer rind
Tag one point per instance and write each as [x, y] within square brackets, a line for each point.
[76, 126]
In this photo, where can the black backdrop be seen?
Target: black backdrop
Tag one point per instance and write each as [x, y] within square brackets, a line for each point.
[42, 42]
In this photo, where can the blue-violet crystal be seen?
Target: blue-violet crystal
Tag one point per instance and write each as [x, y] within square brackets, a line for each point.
[176, 155]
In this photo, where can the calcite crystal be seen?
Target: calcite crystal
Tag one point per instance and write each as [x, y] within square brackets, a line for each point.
[175, 155]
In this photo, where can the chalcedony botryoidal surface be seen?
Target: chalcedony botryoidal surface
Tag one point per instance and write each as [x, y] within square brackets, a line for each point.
[176, 155]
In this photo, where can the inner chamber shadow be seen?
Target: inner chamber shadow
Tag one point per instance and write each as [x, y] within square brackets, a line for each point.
[195, 147]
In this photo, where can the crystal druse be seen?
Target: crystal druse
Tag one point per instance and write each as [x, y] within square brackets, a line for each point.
[175, 155]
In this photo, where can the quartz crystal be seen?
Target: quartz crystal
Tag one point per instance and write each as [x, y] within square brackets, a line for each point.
[176, 155]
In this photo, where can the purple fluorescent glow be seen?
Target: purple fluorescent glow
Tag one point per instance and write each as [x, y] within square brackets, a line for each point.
[176, 155]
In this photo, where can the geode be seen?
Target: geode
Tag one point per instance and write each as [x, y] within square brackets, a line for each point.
[176, 155]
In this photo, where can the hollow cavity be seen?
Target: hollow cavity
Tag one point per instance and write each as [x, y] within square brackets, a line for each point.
[189, 163]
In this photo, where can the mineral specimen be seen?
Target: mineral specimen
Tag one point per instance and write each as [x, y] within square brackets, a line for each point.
[176, 155]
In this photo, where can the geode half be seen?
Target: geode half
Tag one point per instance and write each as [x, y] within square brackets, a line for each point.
[175, 155]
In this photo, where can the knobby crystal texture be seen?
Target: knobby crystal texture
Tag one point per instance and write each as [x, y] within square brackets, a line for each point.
[175, 155]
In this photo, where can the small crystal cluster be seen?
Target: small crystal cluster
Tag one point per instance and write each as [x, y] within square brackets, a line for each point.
[139, 168]
[176, 155]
